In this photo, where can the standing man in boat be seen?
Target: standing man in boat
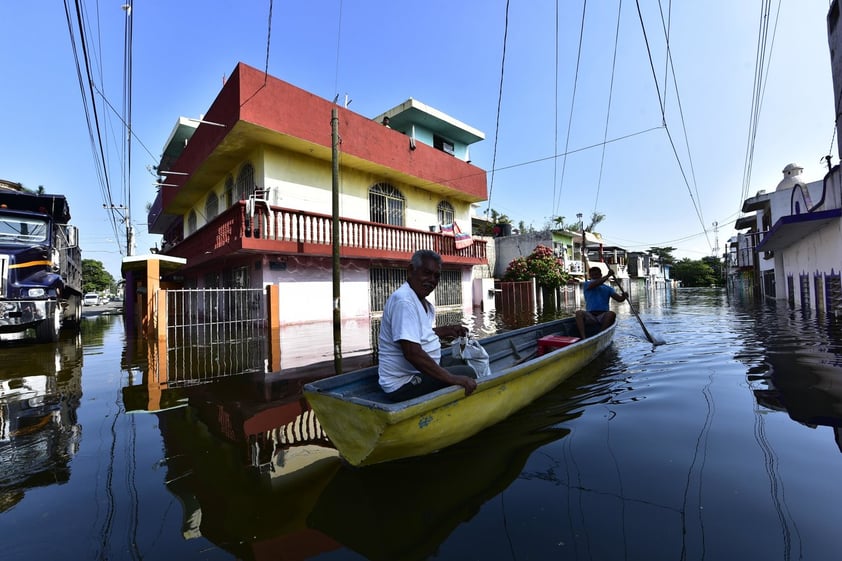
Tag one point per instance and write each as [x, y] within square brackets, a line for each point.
[410, 349]
[597, 298]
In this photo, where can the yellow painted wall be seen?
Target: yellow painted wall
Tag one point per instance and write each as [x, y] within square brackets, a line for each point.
[301, 182]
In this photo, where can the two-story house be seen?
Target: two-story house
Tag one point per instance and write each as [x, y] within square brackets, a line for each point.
[250, 190]
[798, 248]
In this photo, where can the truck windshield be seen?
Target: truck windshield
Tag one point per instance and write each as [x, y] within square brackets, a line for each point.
[22, 231]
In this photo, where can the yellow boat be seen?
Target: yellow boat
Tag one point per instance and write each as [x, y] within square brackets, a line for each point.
[525, 363]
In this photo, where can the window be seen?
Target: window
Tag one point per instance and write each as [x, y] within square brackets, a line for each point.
[229, 192]
[191, 222]
[442, 144]
[449, 290]
[211, 207]
[386, 205]
[245, 182]
[445, 212]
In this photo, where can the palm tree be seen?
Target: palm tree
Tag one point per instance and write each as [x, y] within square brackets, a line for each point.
[596, 218]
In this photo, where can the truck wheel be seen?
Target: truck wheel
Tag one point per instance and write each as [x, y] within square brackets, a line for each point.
[76, 302]
[47, 330]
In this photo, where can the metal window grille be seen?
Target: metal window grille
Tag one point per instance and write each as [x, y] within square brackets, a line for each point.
[211, 207]
[384, 281]
[445, 213]
[449, 290]
[245, 182]
[229, 191]
[386, 204]
[214, 333]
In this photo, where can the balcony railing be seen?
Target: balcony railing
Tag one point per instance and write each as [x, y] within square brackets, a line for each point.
[287, 231]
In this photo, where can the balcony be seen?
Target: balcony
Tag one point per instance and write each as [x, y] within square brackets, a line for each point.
[282, 231]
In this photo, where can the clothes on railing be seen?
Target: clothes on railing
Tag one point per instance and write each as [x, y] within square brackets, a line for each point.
[461, 238]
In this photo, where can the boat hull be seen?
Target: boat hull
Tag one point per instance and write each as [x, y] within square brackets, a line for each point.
[367, 429]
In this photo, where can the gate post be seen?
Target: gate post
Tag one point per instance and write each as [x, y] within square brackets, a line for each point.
[273, 311]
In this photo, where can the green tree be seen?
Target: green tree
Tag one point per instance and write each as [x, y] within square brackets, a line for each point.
[94, 276]
[715, 264]
[664, 254]
[693, 273]
[542, 264]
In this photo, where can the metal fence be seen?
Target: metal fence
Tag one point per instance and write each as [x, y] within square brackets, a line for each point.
[214, 333]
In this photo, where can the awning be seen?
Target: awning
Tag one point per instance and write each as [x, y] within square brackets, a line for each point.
[794, 228]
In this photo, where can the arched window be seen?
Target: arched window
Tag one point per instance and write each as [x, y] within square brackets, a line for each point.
[211, 207]
[191, 222]
[245, 182]
[445, 212]
[386, 204]
[229, 191]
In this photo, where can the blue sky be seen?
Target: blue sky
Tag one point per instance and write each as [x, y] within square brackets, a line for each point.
[448, 55]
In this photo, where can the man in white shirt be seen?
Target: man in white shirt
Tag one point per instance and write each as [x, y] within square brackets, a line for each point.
[410, 350]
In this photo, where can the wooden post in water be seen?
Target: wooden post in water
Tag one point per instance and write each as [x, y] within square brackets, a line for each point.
[337, 310]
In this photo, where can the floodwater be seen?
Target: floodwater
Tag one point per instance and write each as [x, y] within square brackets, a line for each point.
[722, 443]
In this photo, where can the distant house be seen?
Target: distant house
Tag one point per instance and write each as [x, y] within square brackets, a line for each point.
[565, 244]
[248, 197]
[796, 234]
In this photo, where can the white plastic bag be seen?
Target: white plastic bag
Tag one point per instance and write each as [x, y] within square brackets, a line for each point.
[473, 353]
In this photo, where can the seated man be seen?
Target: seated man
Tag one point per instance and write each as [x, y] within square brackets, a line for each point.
[597, 295]
[410, 350]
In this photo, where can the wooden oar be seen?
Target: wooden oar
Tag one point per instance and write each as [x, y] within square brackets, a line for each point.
[653, 340]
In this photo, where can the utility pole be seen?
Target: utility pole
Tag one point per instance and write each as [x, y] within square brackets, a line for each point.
[716, 239]
[126, 218]
[337, 310]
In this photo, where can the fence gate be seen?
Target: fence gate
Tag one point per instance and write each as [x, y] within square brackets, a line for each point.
[214, 333]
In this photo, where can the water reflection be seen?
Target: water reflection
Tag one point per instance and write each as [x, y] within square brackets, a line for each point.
[39, 431]
[801, 371]
[257, 476]
[649, 453]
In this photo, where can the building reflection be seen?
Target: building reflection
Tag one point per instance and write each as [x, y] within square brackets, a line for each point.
[805, 381]
[255, 474]
[39, 430]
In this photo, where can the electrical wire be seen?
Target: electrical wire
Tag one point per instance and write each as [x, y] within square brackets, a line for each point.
[557, 201]
[610, 97]
[499, 104]
[91, 117]
[666, 127]
[762, 63]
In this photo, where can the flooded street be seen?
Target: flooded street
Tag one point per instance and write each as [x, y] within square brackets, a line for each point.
[721, 444]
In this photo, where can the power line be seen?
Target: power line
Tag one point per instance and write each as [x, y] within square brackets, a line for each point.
[499, 103]
[557, 202]
[610, 98]
[761, 69]
[664, 120]
[91, 118]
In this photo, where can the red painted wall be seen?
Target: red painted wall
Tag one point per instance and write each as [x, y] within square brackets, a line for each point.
[251, 96]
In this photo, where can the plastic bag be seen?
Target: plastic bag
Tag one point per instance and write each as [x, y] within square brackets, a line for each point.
[473, 353]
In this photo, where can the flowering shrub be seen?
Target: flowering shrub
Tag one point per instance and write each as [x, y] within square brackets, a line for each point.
[542, 264]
